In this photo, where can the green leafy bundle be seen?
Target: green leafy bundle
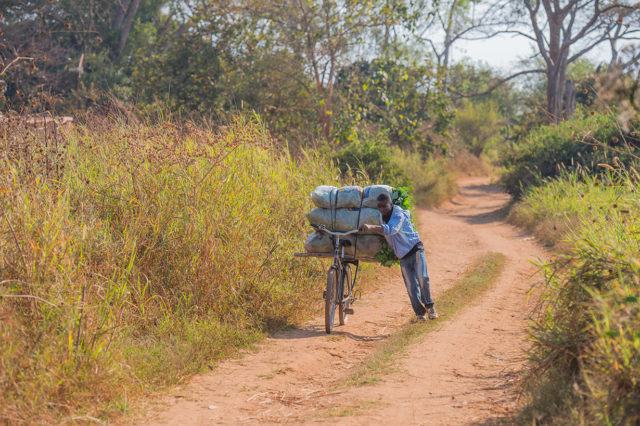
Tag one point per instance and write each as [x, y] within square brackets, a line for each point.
[401, 198]
[386, 256]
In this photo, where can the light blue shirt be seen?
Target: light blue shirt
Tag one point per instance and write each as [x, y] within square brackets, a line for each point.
[400, 233]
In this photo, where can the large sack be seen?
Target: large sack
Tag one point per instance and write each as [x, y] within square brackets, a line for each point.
[319, 242]
[367, 245]
[371, 193]
[343, 220]
[330, 197]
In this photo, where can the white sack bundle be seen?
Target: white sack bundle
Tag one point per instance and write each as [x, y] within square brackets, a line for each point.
[343, 220]
[367, 245]
[371, 193]
[330, 197]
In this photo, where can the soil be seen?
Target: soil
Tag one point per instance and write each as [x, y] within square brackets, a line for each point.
[465, 371]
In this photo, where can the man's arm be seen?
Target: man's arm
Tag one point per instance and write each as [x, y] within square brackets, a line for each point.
[372, 228]
[394, 226]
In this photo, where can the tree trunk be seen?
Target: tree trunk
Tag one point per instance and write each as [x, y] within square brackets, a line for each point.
[126, 27]
[121, 8]
[569, 98]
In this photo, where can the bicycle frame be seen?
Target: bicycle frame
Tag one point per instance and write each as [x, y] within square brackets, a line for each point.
[338, 256]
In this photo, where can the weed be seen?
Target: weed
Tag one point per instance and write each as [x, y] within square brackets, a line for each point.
[585, 359]
[133, 255]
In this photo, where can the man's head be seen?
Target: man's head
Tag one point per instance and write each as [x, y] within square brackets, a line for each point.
[384, 204]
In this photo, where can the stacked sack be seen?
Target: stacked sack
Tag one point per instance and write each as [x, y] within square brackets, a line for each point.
[342, 210]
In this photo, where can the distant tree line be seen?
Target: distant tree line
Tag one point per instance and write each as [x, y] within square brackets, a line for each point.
[311, 68]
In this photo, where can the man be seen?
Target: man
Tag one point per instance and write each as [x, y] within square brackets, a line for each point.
[401, 235]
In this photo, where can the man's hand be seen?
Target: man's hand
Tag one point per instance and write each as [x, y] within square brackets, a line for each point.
[371, 228]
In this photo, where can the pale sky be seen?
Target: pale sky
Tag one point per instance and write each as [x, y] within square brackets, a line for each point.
[504, 52]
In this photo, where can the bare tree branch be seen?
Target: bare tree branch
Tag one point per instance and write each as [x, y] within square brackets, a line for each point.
[502, 81]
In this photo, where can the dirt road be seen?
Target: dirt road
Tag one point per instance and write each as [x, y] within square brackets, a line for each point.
[465, 371]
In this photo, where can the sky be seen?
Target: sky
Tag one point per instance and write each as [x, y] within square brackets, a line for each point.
[503, 52]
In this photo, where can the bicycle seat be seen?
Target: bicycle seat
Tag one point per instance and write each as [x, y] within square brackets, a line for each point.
[345, 243]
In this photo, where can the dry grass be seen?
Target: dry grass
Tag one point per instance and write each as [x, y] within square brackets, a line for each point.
[585, 365]
[132, 256]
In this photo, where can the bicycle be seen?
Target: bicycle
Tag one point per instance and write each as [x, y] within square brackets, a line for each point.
[340, 282]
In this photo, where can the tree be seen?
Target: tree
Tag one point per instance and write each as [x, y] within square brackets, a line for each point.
[70, 43]
[564, 33]
[325, 35]
[455, 20]
[401, 100]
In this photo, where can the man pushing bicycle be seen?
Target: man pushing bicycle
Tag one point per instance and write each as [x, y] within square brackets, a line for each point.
[405, 241]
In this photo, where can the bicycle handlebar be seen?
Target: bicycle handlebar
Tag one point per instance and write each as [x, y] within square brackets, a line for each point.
[340, 234]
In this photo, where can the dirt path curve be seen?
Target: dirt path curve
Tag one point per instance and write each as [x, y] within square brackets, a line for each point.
[462, 372]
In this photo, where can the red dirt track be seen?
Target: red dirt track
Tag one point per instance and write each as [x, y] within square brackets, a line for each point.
[464, 371]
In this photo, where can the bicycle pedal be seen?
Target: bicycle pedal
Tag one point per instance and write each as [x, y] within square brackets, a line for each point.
[348, 311]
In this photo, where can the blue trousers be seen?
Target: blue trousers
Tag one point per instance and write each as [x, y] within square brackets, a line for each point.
[416, 279]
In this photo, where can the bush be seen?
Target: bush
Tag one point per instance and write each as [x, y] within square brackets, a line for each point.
[566, 146]
[370, 154]
[478, 125]
[586, 346]
[133, 256]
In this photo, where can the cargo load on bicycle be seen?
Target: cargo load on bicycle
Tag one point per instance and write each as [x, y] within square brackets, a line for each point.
[347, 208]
[337, 219]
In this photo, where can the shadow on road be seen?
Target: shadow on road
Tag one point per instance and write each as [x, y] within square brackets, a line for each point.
[313, 331]
[497, 215]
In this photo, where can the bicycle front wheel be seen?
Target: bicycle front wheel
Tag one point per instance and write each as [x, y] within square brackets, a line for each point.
[344, 294]
[330, 299]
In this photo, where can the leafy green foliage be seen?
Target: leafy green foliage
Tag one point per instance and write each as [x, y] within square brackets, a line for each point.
[401, 197]
[401, 100]
[567, 146]
[386, 256]
[184, 78]
[370, 154]
[478, 125]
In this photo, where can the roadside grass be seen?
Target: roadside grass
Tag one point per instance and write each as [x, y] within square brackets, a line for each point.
[132, 256]
[585, 359]
[480, 276]
[553, 211]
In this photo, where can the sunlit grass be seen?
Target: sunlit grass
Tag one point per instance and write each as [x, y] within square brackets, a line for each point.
[132, 256]
[586, 356]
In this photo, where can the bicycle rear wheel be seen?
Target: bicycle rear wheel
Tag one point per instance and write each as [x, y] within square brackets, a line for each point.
[330, 299]
[344, 294]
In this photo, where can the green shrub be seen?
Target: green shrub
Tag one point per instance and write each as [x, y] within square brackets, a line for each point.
[550, 149]
[478, 126]
[132, 256]
[370, 154]
[586, 345]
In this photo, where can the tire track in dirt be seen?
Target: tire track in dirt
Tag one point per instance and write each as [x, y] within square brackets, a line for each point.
[465, 371]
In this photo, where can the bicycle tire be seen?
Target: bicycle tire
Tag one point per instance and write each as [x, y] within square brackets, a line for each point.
[330, 299]
[345, 282]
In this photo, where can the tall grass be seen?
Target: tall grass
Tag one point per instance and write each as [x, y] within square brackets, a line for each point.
[558, 207]
[586, 341]
[133, 255]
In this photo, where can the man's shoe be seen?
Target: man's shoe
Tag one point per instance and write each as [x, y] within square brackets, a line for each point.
[432, 313]
[421, 317]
